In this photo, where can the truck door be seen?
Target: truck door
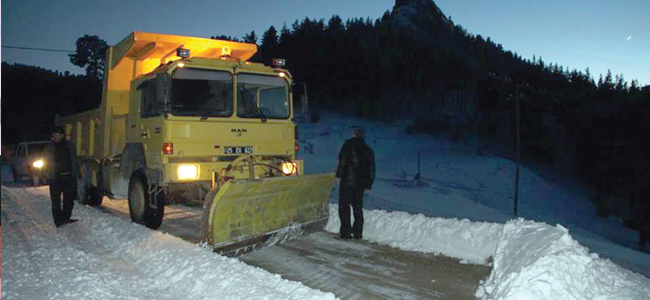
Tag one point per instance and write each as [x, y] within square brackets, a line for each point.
[149, 122]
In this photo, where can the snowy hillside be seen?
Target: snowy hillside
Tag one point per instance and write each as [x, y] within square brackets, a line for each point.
[462, 208]
[460, 184]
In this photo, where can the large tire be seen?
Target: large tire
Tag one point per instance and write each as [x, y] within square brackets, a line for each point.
[137, 198]
[140, 207]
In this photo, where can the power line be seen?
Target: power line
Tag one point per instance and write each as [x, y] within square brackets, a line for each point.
[38, 49]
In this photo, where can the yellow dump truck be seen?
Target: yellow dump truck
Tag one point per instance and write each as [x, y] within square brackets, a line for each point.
[186, 117]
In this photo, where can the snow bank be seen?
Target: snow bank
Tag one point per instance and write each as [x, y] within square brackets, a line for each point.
[538, 261]
[473, 242]
[532, 260]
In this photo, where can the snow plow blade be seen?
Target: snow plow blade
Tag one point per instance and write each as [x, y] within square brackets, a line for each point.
[245, 214]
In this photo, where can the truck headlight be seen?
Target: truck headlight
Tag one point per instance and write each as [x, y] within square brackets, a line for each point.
[289, 168]
[188, 172]
[38, 164]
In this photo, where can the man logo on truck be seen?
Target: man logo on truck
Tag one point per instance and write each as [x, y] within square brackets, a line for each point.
[238, 131]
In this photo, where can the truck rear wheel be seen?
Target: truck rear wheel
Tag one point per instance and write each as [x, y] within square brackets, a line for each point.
[141, 208]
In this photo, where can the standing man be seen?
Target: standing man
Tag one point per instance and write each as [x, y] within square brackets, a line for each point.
[62, 170]
[356, 170]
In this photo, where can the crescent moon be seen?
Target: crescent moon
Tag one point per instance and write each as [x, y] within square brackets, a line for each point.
[629, 38]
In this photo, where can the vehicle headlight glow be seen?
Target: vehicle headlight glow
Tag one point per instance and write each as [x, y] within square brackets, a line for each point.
[38, 164]
[188, 172]
[289, 168]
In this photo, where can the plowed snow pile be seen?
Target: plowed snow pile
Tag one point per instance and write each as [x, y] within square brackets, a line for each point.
[538, 261]
[531, 260]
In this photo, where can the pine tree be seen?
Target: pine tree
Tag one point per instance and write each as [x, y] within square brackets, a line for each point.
[607, 84]
[621, 85]
[634, 86]
[250, 38]
[285, 34]
[270, 44]
[334, 27]
[600, 82]
[91, 55]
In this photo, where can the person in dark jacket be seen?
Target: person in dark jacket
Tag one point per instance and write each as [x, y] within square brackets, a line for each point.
[62, 171]
[356, 171]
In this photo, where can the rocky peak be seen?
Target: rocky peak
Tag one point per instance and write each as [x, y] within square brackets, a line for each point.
[409, 13]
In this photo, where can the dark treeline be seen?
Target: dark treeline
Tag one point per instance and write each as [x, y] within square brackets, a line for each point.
[33, 96]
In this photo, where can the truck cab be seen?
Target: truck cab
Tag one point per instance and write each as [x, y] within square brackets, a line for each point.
[195, 117]
[176, 112]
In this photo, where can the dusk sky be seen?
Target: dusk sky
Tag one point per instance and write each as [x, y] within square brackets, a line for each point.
[578, 34]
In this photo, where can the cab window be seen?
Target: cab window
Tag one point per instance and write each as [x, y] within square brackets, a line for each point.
[204, 93]
[150, 106]
[261, 96]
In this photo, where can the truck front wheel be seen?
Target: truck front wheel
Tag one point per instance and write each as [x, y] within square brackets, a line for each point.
[141, 208]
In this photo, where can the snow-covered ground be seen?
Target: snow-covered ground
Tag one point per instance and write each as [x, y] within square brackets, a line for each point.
[105, 257]
[558, 249]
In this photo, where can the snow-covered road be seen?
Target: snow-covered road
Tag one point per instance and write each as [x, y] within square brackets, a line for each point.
[348, 269]
[366, 271]
[106, 257]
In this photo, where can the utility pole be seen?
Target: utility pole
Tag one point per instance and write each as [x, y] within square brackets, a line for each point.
[506, 82]
[517, 104]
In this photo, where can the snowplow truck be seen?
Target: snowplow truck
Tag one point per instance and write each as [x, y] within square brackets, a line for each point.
[193, 118]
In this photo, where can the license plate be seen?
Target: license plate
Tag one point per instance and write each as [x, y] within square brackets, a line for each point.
[238, 150]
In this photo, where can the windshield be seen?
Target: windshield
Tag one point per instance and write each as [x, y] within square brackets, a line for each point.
[204, 93]
[33, 149]
[260, 96]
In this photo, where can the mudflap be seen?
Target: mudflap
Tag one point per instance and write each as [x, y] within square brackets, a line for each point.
[246, 214]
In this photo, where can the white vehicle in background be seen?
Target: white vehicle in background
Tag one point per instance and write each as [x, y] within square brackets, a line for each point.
[27, 161]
